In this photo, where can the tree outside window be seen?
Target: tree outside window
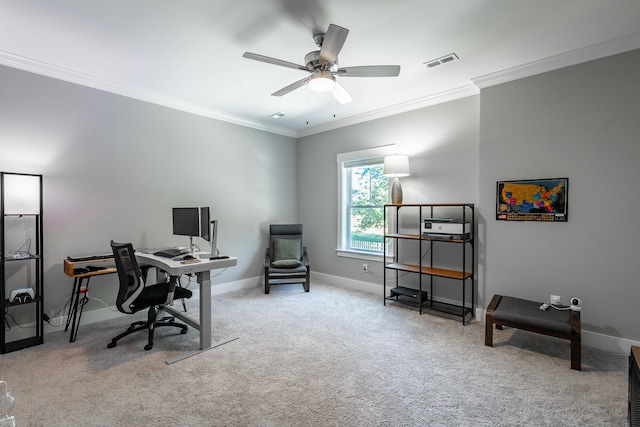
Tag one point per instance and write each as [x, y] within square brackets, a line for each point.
[368, 192]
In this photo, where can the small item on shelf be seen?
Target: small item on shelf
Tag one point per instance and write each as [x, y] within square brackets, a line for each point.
[22, 295]
[408, 292]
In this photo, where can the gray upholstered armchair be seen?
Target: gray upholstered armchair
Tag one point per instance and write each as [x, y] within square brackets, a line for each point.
[286, 259]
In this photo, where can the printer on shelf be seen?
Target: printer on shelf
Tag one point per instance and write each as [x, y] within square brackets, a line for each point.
[445, 228]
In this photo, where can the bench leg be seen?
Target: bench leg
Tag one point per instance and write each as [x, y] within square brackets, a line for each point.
[576, 352]
[488, 320]
[488, 330]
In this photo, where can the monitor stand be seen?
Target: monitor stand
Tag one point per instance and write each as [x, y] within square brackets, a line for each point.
[213, 242]
[192, 246]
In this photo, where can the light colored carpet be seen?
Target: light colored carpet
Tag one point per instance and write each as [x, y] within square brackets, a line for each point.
[331, 357]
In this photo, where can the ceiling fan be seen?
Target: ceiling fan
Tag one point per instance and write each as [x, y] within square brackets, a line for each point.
[323, 66]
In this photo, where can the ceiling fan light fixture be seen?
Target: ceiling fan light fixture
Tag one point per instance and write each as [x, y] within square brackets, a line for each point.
[321, 81]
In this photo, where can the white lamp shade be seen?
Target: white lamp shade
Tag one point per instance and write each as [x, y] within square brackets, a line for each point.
[21, 194]
[321, 81]
[396, 165]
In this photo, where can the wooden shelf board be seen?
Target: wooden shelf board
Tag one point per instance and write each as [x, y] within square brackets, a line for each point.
[403, 236]
[438, 272]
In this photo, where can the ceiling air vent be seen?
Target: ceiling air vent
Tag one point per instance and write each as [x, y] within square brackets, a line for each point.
[442, 60]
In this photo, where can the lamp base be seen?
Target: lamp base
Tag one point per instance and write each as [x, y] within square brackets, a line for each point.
[396, 192]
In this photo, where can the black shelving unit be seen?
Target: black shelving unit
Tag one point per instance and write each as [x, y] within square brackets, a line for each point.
[397, 231]
[21, 264]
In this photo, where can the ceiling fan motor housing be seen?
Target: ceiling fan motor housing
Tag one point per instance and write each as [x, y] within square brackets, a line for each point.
[312, 61]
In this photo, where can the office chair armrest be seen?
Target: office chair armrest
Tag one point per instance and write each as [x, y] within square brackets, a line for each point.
[172, 287]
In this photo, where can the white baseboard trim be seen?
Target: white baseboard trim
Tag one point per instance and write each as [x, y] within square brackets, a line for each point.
[93, 316]
[343, 282]
[607, 342]
[592, 339]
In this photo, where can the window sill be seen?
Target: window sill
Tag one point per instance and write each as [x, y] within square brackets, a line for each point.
[368, 256]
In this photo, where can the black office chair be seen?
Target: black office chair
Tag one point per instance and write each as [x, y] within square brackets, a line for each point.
[135, 295]
[286, 259]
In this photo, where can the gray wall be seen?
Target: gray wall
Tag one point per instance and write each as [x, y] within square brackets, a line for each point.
[113, 167]
[580, 122]
[442, 142]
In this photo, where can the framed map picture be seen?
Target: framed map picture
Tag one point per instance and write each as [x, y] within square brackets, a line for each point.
[542, 200]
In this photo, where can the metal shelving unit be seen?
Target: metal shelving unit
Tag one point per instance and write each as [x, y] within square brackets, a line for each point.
[21, 266]
[395, 234]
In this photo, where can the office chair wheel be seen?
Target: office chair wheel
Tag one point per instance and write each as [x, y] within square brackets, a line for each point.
[111, 344]
[148, 347]
[183, 331]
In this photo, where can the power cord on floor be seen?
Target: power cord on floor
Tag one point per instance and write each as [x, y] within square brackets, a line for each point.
[103, 303]
[48, 318]
[8, 325]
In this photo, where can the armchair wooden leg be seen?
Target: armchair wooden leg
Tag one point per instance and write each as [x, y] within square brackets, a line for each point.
[267, 286]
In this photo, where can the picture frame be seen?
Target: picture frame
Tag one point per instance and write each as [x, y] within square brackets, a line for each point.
[543, 200]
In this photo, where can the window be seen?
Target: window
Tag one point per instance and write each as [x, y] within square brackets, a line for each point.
[363, 193]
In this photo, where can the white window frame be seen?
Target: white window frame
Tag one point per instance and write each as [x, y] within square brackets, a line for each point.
[343, 198]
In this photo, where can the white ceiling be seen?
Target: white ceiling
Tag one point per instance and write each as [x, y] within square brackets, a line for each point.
[187, 54]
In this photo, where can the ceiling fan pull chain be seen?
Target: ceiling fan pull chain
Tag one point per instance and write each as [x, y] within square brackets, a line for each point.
[334, 106]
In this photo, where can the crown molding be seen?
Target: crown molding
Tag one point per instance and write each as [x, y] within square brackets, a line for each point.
[567, 59]
[416, 104]
[94, 82]
[597, 51]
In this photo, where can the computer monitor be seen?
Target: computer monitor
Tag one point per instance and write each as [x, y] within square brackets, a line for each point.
[209, 232]
[194, 222]
[186, 222]
[205, 219]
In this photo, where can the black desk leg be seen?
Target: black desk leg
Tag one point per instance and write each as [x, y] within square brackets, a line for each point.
[77, 304]
[73, 304]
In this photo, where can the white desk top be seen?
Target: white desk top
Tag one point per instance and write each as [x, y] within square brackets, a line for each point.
[177, 268]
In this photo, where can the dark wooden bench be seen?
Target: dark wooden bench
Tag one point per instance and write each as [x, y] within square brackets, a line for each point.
[526, 315]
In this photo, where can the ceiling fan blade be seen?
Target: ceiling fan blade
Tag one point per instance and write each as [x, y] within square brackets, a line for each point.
[274, 61]
[293, 86]
[340, 94]
[369, 71]
[332, 44]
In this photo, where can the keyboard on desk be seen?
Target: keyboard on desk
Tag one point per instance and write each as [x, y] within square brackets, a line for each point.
[89, 257]
[171, 252]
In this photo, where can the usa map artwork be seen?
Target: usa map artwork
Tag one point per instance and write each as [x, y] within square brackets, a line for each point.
[532, 200]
